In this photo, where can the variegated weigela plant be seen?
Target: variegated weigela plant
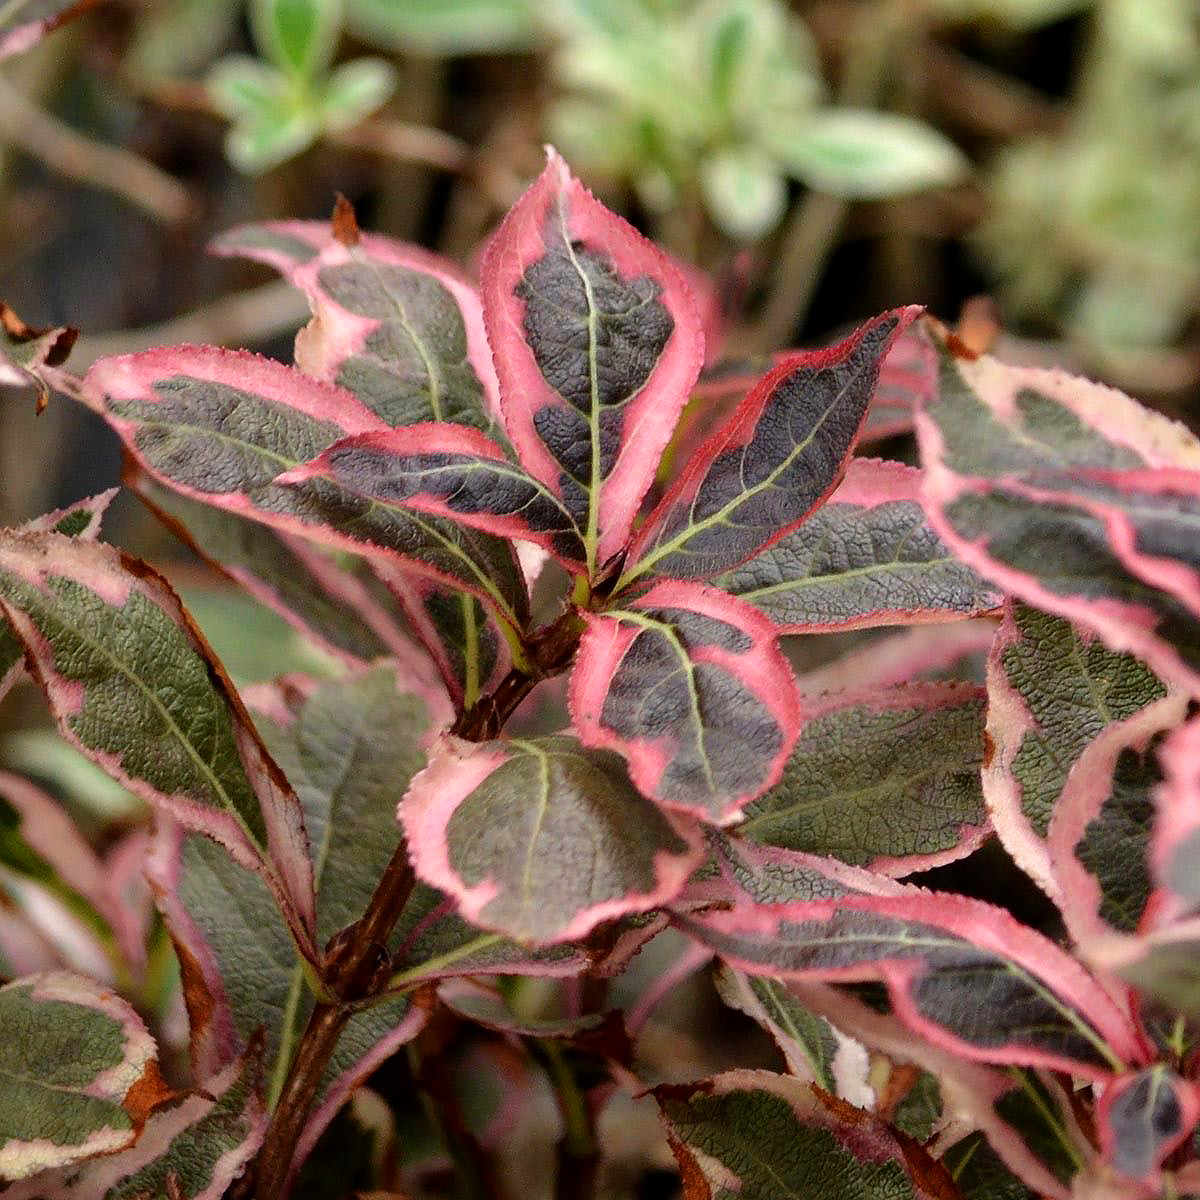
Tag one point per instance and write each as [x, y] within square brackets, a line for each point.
[460, 496]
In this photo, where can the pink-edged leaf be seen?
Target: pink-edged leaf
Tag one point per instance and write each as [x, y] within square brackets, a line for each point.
[690, 686]
[530, 837]
[339, 606]
[775, 1137]
[1099, 835]
[885, 778]
[1052, 691]
[78, 1073]
[133, 685]
[399, 327]
[81, 519]
[924, 652]
[47, 831]
[23, 23]
[740, 873]
[808, 1043]
[960, 973]
[867, 557]
[190, 1149]
[28, 356]
[449, 471]
[1175, 843]
[777, 458]
[597, 343]
[1072, 497]
[1142, 1117]
[221, 426]
[463, 640]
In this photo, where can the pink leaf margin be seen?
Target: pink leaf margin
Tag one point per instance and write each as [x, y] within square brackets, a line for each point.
[334, 334]
[456, 768]
[762, 668]
[651, 416]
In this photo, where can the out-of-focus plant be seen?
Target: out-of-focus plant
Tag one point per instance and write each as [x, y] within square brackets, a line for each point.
[284, 101]
[723, 99]
[1099, 229]
[446, 26]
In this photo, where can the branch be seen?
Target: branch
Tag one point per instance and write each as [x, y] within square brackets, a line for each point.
[69, 153]
[245, 318]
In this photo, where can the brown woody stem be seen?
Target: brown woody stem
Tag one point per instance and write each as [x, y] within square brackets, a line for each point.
[355, 967]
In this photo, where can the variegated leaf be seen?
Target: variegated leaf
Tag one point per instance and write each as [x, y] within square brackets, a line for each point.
[777, 458]
[1175, 844]
[866, 557]
[739, 872]
[399, 327]
[531, 837]
[1026, 1117]
[449, 471]
[959, 972]
[81, 519]
[887, 778]
[597, 342]
[1072, 497]
[190, 1149]
[222, 426]
[690, 686]
[1142, 1117]
[25, 352]
[134, 686]
[1052, 692]
[23, 23]
[808, 1043]
[78, 1073]
[773, 1137]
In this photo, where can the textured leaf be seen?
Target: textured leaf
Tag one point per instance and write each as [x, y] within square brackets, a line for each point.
[449, 471]
[690, 686]
[399, 327]
[597, 342]
[776, 459]
[772, 1137]
[907, 378]
[349, 748]
[531, 837]
[191, 1149]
[81, 519]
[1030, 1126]
[1143, 1117]
[1175, 847]
[221, 426]
[808, 1043]
[1052, 692]
[959, 973]
[979, 1172]
[78, 1073]
[1073, 498]
[887, 779]
[1100, 832]
[740, 872]
[866, 557]
[133, 685]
